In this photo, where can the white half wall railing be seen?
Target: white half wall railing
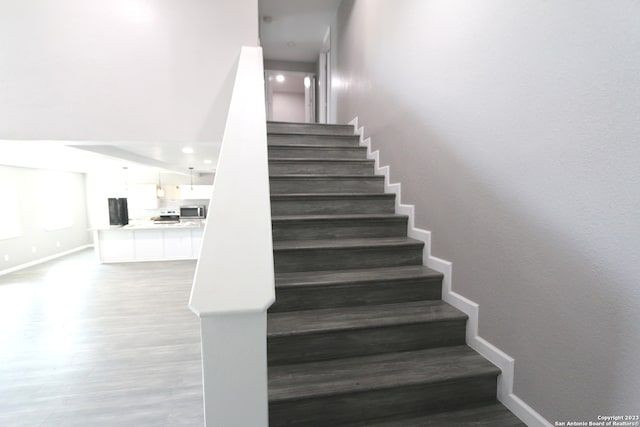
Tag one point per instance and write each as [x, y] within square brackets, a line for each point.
[234, 280]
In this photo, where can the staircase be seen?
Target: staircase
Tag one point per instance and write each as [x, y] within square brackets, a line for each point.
[359, 334]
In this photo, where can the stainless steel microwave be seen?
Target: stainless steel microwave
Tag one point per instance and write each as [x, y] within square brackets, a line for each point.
[194, 211]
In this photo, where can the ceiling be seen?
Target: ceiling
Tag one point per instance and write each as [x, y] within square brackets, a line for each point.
[83, 157]
[55, 155]
[167, 156]
[296, 29]
[295, 32]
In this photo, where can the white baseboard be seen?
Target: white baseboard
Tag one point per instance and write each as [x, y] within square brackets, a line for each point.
[499, 358]
[45, 259]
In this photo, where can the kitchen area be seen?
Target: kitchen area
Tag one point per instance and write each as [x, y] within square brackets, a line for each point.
[137, 220]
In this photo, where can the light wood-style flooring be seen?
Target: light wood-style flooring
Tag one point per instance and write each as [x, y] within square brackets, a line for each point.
[84, 344]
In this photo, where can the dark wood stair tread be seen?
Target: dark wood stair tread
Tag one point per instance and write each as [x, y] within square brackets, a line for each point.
[345, 243]
[317, 151]
[309, 129]
[329, 196]
[345, 318]
[494, 415]
[285, 132]
[338, 217]
[321, 146]
[321, 177]
[311, 290]
[319, 183]
[383, 371]
[311, 159]
[358, 334]
[314, 278]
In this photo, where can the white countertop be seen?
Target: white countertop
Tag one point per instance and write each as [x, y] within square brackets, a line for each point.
[150, 225]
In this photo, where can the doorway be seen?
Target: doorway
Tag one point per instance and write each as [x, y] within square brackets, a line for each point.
[324, 79]
[290, 96]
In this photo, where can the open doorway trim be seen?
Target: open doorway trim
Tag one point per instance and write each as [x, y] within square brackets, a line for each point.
[309, 92]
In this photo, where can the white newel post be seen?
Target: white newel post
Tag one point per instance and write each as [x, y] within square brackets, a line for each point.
[233, 285]
[235, 396]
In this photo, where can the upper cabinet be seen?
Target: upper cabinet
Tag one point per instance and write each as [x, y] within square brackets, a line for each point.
[142, 196]
[186, 192]
[196, 191]
[171, 192]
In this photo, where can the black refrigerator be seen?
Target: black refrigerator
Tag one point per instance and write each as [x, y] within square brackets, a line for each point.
[118, 211]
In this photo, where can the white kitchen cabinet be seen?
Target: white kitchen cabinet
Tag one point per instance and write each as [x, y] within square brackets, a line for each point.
[196, 241]
[171, 192]
[152, 243]
[185, 192]
[196, 192]
[116, 245]
[177, 244]
[146, 244]
[142, 196]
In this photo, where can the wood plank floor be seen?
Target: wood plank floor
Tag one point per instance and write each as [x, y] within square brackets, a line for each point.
[84, 344]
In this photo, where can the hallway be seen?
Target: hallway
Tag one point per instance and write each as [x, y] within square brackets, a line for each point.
[103, 345]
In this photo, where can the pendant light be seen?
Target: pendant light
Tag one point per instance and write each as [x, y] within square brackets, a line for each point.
[126, 184]
[191, 176]
[159, 189]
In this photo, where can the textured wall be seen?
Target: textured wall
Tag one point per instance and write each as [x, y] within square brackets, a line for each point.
[139, 70]
[514, 128]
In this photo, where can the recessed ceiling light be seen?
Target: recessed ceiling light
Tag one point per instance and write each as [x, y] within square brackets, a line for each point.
[208, 162]
[280, 78]
[187, 150]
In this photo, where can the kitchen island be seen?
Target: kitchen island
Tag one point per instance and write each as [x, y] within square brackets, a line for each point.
[146, 241]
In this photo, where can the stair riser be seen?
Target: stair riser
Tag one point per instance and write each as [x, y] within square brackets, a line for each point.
[364, 342]
[346, 229]
[330, 185]
[281, 152]
[415, 400]
[309, 129]
[340, 141]
[355, 294]
[287, 261]
[490, 415]
[330, 206]
[320, 168]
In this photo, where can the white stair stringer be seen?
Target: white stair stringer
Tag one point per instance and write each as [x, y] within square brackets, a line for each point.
[492, 353]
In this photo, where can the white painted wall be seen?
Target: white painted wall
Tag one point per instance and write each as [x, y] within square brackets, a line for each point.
[514, 128]
[288, 107]
[132, 70]
[33, 209]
